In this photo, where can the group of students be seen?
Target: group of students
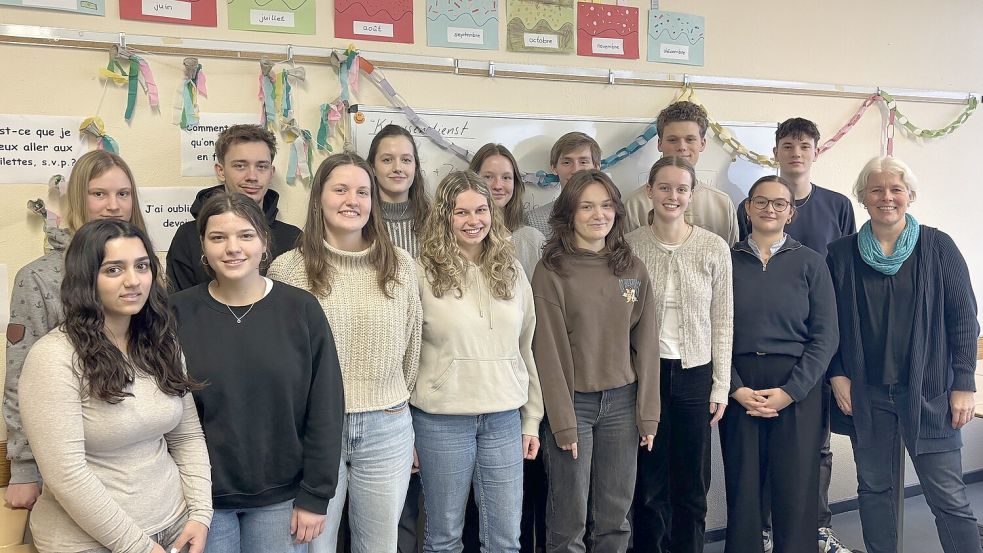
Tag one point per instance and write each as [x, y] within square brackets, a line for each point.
[400, 347]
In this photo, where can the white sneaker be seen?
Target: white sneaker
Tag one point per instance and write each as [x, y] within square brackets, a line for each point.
[829, 543]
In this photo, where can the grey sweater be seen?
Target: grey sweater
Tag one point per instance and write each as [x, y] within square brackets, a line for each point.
[113, 474]
[35, 309]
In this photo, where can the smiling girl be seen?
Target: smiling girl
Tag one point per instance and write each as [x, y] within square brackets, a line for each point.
[477, 404]
[368, 291]
[598, 355]
[402, 189]
[273, 407]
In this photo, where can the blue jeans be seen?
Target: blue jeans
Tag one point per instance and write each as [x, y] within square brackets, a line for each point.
[376, 458]
[604, 472]
[460, 451]
[254, 530]
[940, 475]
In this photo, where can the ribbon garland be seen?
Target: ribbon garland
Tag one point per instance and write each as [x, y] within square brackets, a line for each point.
[186, 112]
[331, 115]
[94, 127]
[300, 149]
[139, 75]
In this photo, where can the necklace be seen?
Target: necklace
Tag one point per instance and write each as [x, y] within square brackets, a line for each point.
[237, 317]
[812, 188]
[689, 230]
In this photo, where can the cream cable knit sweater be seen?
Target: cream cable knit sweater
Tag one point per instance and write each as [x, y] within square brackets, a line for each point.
[378, 338]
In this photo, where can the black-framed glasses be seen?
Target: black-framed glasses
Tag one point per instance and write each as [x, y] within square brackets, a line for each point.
[761, 203]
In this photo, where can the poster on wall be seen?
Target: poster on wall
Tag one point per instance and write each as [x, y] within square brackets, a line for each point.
[165, 208]
[607, 31]
[273, 16]
[90, 7]
[33, 148]
[378, 20]
[463, 24]
[181, 12]
[676, 37]
[542, 26]
[198, 141]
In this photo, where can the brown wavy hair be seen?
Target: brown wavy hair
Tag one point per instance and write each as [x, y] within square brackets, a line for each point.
[419, 199]
[445, 265]
[317, 258]
[152, 345]
[90, 166]
[563, 240]
[512, 213]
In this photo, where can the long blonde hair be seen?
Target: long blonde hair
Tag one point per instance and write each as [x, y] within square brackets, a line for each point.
[445, 265]
[93, 165]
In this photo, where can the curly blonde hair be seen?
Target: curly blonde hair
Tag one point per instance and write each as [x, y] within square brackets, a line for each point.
[444, 264]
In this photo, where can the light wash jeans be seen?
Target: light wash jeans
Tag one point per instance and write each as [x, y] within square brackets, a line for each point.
[254, 530]
[460, 451]
[376, 458]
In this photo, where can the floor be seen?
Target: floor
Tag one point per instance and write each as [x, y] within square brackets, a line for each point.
[920, 535]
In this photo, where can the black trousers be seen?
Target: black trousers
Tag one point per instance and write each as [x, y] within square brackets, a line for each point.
[670, 506]
[783, 447]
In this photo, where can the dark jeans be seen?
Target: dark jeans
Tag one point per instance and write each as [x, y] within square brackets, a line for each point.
[604, 470]
[670, 506]
[940, 475]
[784, 447]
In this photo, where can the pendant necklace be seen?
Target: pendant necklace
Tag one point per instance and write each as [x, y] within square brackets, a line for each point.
[237, 317]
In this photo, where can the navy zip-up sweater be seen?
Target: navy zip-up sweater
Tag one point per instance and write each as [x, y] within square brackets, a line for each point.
[943, 342]
[785, 307]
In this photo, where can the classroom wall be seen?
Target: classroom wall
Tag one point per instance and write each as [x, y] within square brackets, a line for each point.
[878, 43]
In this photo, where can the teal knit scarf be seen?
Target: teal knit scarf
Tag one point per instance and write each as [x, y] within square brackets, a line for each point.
[873, 255]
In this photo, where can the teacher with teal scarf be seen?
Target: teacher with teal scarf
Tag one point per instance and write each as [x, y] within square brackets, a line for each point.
[906, 358]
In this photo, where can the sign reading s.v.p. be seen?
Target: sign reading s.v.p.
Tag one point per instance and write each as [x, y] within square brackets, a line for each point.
[35, 147]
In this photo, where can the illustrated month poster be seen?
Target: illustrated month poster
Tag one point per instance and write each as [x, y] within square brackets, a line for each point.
[463, 24]
[181, 12]
[274, 16]
[607, 30]
[379, 20]
[90, 7]
[676, 37]
[541, 26]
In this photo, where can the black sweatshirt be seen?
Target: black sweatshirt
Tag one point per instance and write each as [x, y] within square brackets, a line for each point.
[184, 268]
[273, 405]
[785, 307]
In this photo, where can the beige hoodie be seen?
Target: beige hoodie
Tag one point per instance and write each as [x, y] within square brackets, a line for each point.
[476, 356]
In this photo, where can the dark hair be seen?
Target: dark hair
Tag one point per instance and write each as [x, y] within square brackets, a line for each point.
[512, 213]
[772, 178]
[317, 260]
[152, 345]
[796, 128]
[237, 134]
[563, 241]
[574, 141]
[673, 161]
[681, 112]
[242, 206]
[418, 189]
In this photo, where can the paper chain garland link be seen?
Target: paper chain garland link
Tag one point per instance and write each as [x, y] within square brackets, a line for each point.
[902, 119]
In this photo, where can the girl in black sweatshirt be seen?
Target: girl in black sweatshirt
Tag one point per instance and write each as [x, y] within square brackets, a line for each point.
[784, 336]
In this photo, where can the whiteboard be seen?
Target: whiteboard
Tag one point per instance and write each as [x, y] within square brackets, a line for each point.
[529, 137]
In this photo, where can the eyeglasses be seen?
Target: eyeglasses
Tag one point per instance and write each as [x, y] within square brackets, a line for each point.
[761, 203]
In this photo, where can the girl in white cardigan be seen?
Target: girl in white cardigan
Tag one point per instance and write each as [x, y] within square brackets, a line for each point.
[691, 279]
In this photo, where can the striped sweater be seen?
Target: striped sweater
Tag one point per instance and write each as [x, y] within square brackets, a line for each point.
[943, 341]
[399, 224]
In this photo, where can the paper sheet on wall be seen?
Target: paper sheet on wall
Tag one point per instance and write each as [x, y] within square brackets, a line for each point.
[33, 148]
[541, 26]
[274, 16]
[165, 208]
[4, 298]
[90, 7]
[378, 20]
[676, 37]
[607, 31]
[198, 141]
[463, 24]
[181, 12]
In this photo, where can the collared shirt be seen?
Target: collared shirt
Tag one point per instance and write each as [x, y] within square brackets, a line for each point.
[774, 247]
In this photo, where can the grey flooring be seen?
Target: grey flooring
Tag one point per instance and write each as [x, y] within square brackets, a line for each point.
[920, 535]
